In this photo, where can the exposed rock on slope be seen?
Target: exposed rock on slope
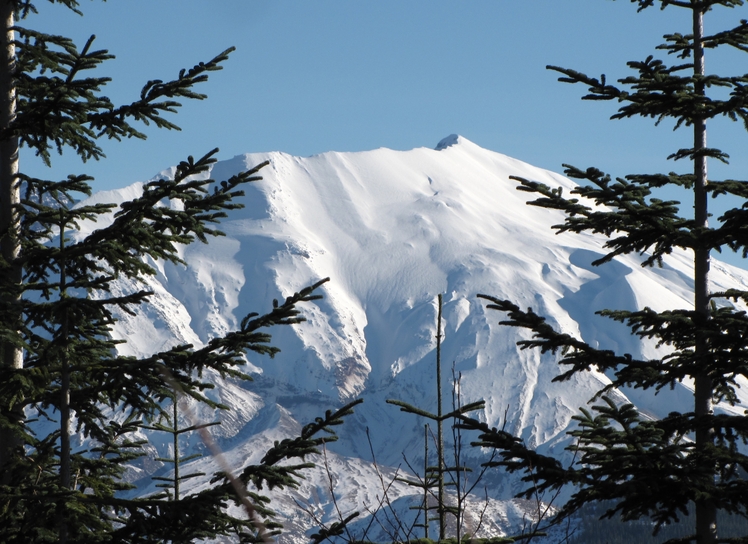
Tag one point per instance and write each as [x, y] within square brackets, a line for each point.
[392, 229]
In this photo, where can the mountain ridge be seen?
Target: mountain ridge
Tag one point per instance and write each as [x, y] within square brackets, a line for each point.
[393, 229]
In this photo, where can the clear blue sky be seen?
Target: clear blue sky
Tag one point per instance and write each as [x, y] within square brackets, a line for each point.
[344, 75]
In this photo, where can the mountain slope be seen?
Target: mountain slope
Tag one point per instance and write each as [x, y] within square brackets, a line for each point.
[392, 229]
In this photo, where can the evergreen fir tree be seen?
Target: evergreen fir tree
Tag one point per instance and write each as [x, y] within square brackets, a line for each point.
[59, 365]
[434, 476]
[657, 468]
[171, 426]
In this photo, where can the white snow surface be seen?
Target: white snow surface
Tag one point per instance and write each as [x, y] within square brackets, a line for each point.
[392, 229]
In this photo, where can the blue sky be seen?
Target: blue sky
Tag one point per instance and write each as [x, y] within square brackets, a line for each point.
[313, 76]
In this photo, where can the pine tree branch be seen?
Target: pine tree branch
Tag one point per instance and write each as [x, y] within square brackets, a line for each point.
[624, 212]
[64, 110]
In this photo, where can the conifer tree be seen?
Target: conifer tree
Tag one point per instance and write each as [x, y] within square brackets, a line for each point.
[171, 425]
[59, 368]
[434, 476]
[657, 468]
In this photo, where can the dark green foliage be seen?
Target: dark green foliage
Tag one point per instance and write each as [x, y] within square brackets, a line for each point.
[334, 530]
[645, 469]
[60, 108]
[202, 514]
[492, 540]
[60, 292]
[591, 529]
[306, 443]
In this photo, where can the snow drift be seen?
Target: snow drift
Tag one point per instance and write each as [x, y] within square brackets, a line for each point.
[392, 229]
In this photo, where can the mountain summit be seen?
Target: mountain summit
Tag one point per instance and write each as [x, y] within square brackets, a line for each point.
[392, 229]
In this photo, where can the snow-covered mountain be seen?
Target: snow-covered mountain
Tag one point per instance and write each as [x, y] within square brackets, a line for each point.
[392, 229]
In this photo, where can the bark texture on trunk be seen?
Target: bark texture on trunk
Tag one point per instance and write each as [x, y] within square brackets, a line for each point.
[11, 356]
[706, 511]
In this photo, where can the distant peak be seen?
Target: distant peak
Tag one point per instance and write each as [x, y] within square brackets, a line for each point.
[452, 139]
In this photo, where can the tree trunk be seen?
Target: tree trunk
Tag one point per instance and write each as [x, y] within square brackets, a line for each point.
[706, 512]
[439, 430]
[11, 356]
[425, 481]
[65, 452]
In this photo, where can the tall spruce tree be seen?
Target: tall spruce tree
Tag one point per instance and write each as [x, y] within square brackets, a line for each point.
[59, 368]
[657, 468]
